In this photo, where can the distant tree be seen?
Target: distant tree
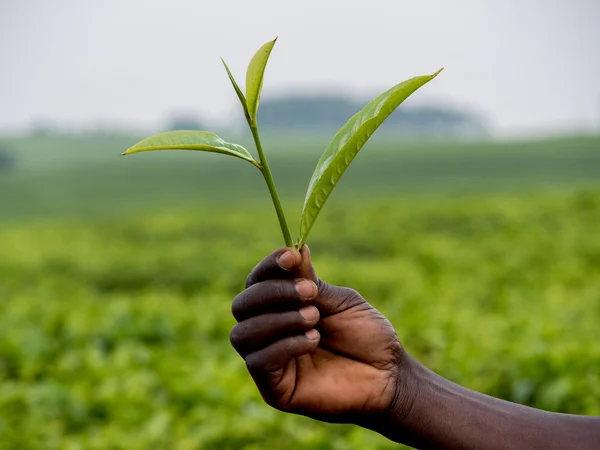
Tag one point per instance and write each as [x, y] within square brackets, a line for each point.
[316, 112]
[185, 121]
[6, 160]
[436, 120]
[328, 113]
[42, 127]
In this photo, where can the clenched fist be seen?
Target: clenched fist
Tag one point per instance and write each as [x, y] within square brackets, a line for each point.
[313, 348]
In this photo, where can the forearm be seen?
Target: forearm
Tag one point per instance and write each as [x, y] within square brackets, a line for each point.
[442, 415]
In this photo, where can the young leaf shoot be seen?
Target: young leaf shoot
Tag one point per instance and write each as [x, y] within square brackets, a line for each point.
[238, 91]
[336, 158]
[254, 77]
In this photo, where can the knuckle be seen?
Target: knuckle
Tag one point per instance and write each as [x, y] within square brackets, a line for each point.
[341, 297]
[326, 289]
[236, 336]
[262, 268]
[238, 305]
[249, 280]
[285, 322]
[350, 296]
[278, 290]
[254, 363]
[291, 344]
[272, 291]
[351, 293]
[321, 285]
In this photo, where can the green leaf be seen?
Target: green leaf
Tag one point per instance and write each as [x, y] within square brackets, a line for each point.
[346, 144]
[238, 91]
[254, 77]
[191, 140]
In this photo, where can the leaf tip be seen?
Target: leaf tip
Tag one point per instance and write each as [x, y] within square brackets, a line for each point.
[437, 73]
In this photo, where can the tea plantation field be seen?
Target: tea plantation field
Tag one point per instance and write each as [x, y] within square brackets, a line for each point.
[114, 328]
[83, 175]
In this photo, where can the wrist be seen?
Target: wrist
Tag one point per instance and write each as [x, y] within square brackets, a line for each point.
[409, 387]
[402, 419]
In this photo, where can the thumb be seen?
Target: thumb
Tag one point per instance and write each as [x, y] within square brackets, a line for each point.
[330, 299]
[305, 269]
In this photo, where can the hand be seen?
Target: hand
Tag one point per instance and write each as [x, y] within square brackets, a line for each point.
[313, 348]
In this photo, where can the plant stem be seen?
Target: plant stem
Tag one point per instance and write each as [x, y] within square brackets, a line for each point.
[266, 171]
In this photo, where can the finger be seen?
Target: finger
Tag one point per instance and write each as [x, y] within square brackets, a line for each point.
[305, 269]
[272, 296]
[275, 266]
[261, 331]
[267, 365]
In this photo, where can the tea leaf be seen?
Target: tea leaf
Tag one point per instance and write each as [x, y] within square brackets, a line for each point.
[238, 91]
[254, 77]
[192, 140]
[346, 144]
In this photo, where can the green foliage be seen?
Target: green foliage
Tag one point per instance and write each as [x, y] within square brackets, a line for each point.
[254, 77]
[115, 332]
[192, 140]
[346, 144]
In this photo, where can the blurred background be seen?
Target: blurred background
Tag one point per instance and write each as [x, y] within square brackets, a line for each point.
[471, 218]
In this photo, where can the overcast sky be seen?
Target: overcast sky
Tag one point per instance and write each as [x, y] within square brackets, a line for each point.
[529, 65]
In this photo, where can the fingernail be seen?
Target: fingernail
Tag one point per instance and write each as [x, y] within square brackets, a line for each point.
[306, 289]
[309, 313]
[286, 260]
[312, 335]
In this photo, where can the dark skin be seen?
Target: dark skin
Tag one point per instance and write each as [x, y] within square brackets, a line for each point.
[322, 351]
